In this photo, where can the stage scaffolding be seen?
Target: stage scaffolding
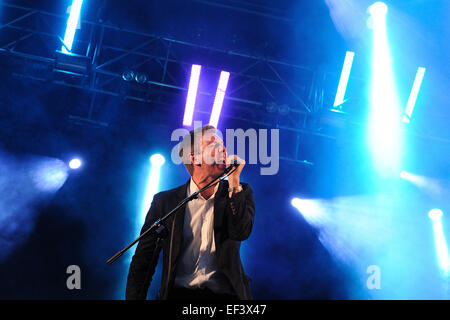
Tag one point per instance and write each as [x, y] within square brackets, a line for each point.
[264, 91]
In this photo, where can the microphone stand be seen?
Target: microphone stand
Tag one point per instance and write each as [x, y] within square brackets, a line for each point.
[158, 223]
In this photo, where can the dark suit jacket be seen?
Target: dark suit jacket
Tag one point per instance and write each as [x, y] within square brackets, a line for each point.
[233, 222]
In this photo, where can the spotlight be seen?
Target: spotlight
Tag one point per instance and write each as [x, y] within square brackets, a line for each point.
[75, 164]
[429, 185]
[296, 202]
[339, 100]
[403, 174]
[128, 75]
[378, 9]
[413, 96]
[435, 214]
[72, 23]
[192, 94]
[440, 241]
[157, 160]
[384, 135]
[218, 100]
[140, 78]
[49, 174]
[309, 209]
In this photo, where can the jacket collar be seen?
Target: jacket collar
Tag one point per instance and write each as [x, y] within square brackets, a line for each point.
[181, 191]
[219, 200]
[219, 206]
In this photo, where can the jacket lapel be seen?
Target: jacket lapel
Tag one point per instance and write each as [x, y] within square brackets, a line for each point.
[220, 201]
[180, 194]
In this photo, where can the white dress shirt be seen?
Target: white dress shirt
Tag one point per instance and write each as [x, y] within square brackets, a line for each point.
[197, 267]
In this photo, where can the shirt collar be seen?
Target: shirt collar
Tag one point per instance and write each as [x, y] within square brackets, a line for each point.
[193, 188]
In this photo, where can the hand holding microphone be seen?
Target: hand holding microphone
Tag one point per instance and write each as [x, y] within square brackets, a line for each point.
[233, 161]
[233, 164]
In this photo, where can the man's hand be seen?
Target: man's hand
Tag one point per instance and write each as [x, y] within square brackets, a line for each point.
[233, 179]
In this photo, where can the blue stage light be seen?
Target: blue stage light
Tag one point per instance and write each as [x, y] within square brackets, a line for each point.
[348, 61]
[75, 163]
[49, 174]
[72, 23]
[431, 186]
[440, 241]
[218, 100]
[384, 136]
[157, 161]
[192, 95]
[413, 95]
[378, 9]
[403, 174]
[435, 214]
[309, 209]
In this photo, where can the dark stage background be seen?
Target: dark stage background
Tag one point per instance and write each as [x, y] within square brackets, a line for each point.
[95, 211]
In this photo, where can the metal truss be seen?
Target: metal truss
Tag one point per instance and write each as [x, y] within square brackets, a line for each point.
[161, 59]
[263, 91]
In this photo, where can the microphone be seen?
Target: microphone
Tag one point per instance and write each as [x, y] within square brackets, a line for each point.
[233, 165]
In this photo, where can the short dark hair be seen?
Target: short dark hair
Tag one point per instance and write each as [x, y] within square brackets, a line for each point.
[188, 143]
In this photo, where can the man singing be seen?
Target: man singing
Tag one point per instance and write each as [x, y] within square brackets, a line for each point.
[201, 259]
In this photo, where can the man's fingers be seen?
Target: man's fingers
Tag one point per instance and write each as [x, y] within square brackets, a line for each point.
[232, 158]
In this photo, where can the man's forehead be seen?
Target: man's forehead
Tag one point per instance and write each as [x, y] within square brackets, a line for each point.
[210, 137]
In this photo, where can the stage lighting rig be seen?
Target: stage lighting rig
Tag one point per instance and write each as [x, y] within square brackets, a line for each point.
[128, 75]
[72, 64]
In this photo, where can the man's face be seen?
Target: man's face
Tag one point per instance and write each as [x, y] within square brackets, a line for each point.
[214, 154]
